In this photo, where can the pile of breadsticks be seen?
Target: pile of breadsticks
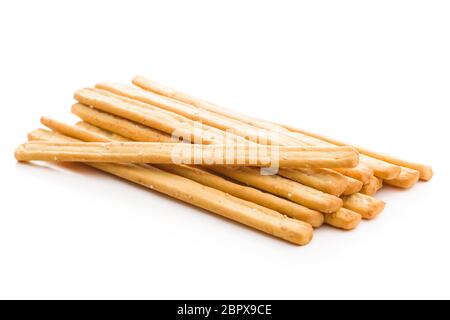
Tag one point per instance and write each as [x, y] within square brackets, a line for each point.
[225, 160]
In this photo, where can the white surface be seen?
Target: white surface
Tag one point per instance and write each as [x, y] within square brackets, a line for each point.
[374, 73]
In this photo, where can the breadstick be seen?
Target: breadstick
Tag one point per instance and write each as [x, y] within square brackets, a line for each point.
[327, 183]
[282, 187]
[286, 189]
[146, 152]
[120, 125]
[76, 133]
[149, 152]
[343, 219]
[216, 201]
[353, 186]
[380, 182]
[380, 168]
[361, 172]
[408, 177]
[210, 199]
[100, 132]
[371, 187]
[426, 172]
[363, 208]
[155, 118]
[331, 183]
[186, 110]
[236, 129]
[238, 126]
[368, 207]
[267, 200]
[216, 135]
[162, 90]
[379, 185]
[46, 135]
[146, 99]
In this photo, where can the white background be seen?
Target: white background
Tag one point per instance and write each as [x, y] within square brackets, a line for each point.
[375, 73]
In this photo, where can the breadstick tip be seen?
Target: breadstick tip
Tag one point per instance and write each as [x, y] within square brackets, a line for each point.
[298, 232]
[356, 157]
[426, 172]
[19, 154]
[44, 120]
[137, 78]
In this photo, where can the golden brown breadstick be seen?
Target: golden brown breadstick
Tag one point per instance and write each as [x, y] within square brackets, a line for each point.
[331, 183]
[368, 207]
[210, 134]
[202, 176]
[216, 201]
[46, 135]
[156, 152]
[148, 99]
[343, 218]
[235, 130]
[361, 172]
[162, 90]
[100, 132]
[325, 180]
[380, 182]
[210, 199]
[70, 130]
[145, 152]
[353, 186]
[282, 187]
[121, 126]
[371, 187]
[426, 172]
[380, 168]
[286, 191]
[361, 207]
[339, 220]
[186, 110]
[155, 118]
[268, 200]
[408, 177]
[264, 199]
